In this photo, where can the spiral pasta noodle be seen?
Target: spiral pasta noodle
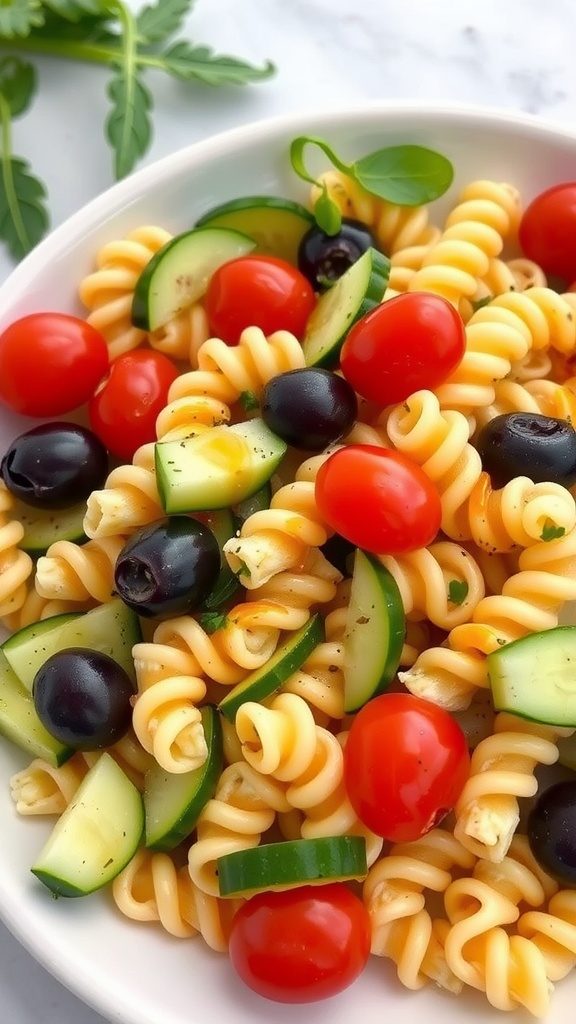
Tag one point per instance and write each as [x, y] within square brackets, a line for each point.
[320, 680]
[43, 788]
[424, 578]
[107, 292]
[78, 572]
[183, 335]
[152, 888]
[128, 500]
[36, 608]
[553, 933]
[518, 514]
[15, 565]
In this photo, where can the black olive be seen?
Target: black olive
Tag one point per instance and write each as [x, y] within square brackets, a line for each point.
[309, 408]
[82, 697]
[324, 258]
[55, 465]
[168, 567]
[542, 448]
[552, 831]
[339, 553]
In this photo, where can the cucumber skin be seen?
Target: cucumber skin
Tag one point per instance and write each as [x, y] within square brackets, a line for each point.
[292, 863]
[513, 674]
[20, 724]
[287, 659]
[252, 215]
[204, 781]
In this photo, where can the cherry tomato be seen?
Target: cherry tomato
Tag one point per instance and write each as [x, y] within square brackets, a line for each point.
[50, 363]
[261, 291]
[125, 407]
[378, 499]
[413, 341]
[300, 945]
[547, 231]
[405, 764]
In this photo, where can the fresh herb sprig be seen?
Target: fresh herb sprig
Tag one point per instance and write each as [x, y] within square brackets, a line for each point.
[104, 32]
[406, 175]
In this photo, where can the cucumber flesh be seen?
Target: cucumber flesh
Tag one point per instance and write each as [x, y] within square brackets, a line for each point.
[96, 836]
[111, 628]
[287, 658]
[20, 723]
[292, 863]
[217, 468]
[178, 274]
[276, 225]
[223, 525]
[353, 295]
[374, 633]
[535, 677]
[43, 527]
[172, 803]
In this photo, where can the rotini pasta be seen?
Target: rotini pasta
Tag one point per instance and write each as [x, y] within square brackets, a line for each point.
[129, 499]
[79, 572]
[15, 565]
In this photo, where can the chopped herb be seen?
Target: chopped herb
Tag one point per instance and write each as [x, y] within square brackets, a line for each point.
[457, 591]
[552, 533]
[212, 621]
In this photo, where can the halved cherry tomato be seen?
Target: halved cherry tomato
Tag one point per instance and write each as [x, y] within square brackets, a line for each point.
[50, 363]
[125, 407]
[413, 341]
[378, 499]
[547, 230]
[261, 291]
[300, 945]
[405, 764]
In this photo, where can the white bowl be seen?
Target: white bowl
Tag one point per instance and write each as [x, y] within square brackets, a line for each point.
[135, 973]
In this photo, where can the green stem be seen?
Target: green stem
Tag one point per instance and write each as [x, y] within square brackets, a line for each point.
[93, 53]
[8, 177]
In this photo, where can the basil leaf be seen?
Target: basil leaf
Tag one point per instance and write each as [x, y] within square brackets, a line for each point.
[405, 175]
[17, 84]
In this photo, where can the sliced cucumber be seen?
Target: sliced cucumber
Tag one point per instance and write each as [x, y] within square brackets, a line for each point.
[172, 803]
[217, 468]
[374, 634]
[43, 527]
[287, 658]
[223, 525]
[111, 628]
[276, 225]
[358, 291]
[535, 677]
[178, 274]
[20, 723]
[257, 502]
[292, 863]
[96, 836]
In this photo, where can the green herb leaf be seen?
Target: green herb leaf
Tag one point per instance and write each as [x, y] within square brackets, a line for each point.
[480, 303]
[19, 17]
[406, 175]
[552, 533]
[327, 214]
[75, 10]
[160, 20]
[211, 621]
[187, 62]
[17, 84]
[128, 126]
[457, 591]
[249, 401]
[23, 214]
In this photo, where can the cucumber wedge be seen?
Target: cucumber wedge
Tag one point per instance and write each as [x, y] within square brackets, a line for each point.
[223, 525]
[217, 468]
[172, 803]
[43, 527]
[374, 634]
[535, 677]
[178, 274]
[358, 291]
[292, 863]
[20, 723]
[111, 628]
[276, 225]
[96, 836]
[287, 658]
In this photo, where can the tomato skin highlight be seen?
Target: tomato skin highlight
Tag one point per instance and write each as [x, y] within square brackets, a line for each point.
[410, 342]
[405, 764]
[300, 945]
[124, 409]
[261, 291]
[378, 499]
[50, 364]
[548, 229]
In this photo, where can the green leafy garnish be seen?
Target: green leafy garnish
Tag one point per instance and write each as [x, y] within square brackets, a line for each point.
[552, 532]
[480, 303]
[407, 175]
[249, 401]
[23, 213]
[103, 32]
[211, 621]
[457, 591]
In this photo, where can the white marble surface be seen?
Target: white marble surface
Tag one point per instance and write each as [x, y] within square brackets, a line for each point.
[516, 54]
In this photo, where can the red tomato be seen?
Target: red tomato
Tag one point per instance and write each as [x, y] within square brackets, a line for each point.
[405, 764]
[50, 363]
[412, 341]
[125, 407]
[300, 945]
[547, 230]
[261, 291]
[378, 499]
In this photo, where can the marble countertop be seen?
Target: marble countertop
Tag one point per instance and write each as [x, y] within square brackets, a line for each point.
[516, 55]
